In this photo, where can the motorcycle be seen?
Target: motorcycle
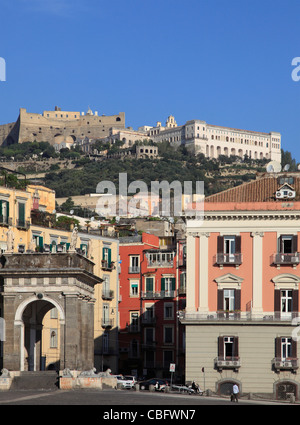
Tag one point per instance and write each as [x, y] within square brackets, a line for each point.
[194, 390]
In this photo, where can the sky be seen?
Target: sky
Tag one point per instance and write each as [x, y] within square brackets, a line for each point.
[227, 62]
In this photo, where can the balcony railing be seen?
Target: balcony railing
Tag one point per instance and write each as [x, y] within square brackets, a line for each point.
[107, 266]
[107, 323]
[107, 294]
[158, 295]
[216, 316]
[5, 221]
[153, 264]
[229, 259]
[135, 269]
[148, 320]
[290, 363]
[22, 224]
[282, 259]
[231, 362]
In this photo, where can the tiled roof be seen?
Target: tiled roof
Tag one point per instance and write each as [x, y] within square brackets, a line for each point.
[261, 190]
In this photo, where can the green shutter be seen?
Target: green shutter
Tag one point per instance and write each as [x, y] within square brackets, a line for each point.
[163, 283]
[7, 212]
[21, 213]
[103, 254]
[109, 256]
[41, 243]
[149, 284]
[67, 246]
[173, 282]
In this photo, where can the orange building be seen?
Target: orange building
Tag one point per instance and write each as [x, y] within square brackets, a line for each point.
[243, 277]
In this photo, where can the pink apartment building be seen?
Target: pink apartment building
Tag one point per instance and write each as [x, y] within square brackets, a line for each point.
[243, 277]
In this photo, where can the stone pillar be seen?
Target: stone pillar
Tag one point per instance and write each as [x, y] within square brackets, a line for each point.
[13, 337]
[71, 332]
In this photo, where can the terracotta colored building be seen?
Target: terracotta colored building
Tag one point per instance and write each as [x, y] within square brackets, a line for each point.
[152, 291]
[243, 277]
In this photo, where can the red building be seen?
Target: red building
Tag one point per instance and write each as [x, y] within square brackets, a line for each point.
[152, 291]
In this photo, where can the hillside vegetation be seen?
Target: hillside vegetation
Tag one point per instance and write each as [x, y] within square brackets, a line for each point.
[71, 172]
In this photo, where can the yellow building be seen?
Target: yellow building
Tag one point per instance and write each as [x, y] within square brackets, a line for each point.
[27, 223]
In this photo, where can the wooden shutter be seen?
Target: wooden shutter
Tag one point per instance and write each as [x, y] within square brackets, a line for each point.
[163, 280]
[294, 349]
[237, 299]
[280, 245]
[238, 244]
[295, 303]
[221, 347]
[295, 244]
[277, 303]
[220, 305]
[220, 245]
[278, 347]
[236, 346]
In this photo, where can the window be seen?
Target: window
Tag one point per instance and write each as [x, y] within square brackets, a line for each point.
[287, 244]
[168, 311]
[168, 286]
[53, 313]
[134, 288]
[229, 250]
[168, 334]
[286, 303]
[168, 358]
[106, 257]
[4, 212]
[21, 214]
[134, 321]
[134, 349]
[105, 343]
[53, 338]
[229, 302]
[150, 284]
[148, 315]
[228, 348]
[134, 264]
[105, 314]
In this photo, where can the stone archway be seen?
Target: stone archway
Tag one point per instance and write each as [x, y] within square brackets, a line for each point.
[29, 317]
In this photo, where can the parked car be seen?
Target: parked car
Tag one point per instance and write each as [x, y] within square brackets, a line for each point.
[126, 381]
[144, 385]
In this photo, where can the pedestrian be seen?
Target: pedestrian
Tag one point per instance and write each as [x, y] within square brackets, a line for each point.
[235, 391]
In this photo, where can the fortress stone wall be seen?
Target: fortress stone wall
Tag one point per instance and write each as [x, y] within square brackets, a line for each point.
[52, 126]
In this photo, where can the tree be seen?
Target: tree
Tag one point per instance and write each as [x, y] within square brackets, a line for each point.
[286, 159]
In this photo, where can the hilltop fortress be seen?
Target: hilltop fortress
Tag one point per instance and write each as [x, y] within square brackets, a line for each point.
[55, 126]
[64, 128]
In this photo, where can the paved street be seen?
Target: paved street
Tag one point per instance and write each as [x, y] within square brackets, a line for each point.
[117, 398]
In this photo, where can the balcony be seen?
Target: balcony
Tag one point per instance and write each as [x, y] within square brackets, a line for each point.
[135, 269]
[239, 316]
[107, 294]
[285, 364]
[158, 295]
[107, 323]
[286, 259]
[5, 221]
[23, 225]
[228, 259]
[108, 266]
[148, 321]
[227, 363]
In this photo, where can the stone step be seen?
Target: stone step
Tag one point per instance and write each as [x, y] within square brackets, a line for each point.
[46, 380]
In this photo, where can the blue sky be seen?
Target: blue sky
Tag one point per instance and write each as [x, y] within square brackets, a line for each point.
[226, 62]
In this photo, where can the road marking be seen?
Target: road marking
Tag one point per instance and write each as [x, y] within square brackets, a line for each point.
[29, 397]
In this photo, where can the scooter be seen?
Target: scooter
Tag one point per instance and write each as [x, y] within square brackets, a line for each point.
[195, 390]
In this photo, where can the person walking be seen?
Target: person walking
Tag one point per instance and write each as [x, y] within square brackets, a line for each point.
[235, 392]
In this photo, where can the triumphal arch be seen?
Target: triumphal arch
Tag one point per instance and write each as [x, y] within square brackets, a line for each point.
[31, 284]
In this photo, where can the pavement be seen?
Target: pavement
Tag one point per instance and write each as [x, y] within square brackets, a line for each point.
[116, 398]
